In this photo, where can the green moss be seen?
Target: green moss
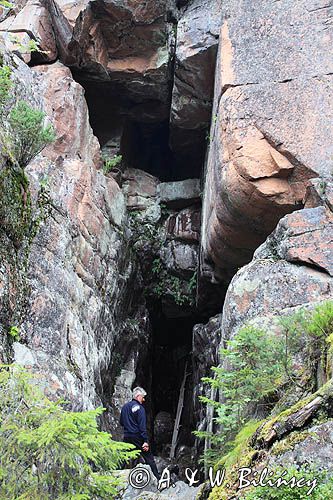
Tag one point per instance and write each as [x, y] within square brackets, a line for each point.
[19, 223]
[264, 432]
[241, 453]
[15, 205]
[289, 442]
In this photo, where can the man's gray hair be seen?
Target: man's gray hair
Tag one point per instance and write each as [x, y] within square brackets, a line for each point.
[137, 391]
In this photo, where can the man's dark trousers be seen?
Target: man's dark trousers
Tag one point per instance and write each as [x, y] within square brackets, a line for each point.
[147, 455]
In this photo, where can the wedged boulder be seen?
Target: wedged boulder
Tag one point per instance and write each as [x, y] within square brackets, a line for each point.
[140, 189]
[291, 269]
[272, 124]
[180, 258]
[180, 194]
[33, 22]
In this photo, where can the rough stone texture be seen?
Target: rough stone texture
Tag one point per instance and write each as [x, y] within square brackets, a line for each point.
[315, 449]
[197, 39]
[179, 194]
[291, 269]
[83, 284]
[192, 95]
[165, 240]
[71, 122]
[180, 258]
[272, 123]
[140, 189]
[178, 490]
[123, 41]
[205, 354]
[304, 237]
[185, 225]
[319, 193]
[33, 22]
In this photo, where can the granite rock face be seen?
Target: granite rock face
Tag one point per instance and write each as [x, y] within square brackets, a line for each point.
[269, 134]
[205, 349]
[314, 448]
[197, 40]
[304, 237]
[67, 109]
[33, 22]
[291, 269]
[81, 274]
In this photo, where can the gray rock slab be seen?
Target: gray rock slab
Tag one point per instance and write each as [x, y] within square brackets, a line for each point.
[179, 194]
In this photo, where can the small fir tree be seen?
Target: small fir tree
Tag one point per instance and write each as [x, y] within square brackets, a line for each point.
[47, 452]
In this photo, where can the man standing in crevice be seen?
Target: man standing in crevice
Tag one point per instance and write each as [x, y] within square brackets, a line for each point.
[133, 420]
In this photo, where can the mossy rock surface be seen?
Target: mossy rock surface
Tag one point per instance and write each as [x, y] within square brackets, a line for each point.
[15, 205]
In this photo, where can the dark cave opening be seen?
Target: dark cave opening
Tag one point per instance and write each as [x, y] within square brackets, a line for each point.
[140, 132]
[138, 128]
[145, 146]
[171, 361]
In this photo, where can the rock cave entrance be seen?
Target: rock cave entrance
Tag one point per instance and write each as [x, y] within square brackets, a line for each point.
[140, 132]
[171, 359]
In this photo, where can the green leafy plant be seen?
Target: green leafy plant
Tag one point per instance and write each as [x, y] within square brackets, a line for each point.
[14, 333]
[165, 284]
[28, 133]
[111, 163]
[51, 453]
[29, 47]
[157, 267]
[251, 372]
[7, 5]
[257, 364]
[5, 86]
[311, 331]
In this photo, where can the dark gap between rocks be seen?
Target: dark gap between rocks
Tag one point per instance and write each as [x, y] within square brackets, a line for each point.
[139, 131]
[170, 352]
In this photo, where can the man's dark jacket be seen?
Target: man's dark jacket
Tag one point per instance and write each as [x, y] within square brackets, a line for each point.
[133, 419]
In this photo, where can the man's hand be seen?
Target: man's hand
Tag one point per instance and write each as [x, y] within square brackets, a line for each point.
[145, 446]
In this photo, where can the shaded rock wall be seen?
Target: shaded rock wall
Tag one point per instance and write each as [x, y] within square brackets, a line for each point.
[192, 95]
[205, 354]
[313, 448]
[81, 265]
[81, 275]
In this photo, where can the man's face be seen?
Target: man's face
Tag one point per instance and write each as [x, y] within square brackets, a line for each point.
[140, 398]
